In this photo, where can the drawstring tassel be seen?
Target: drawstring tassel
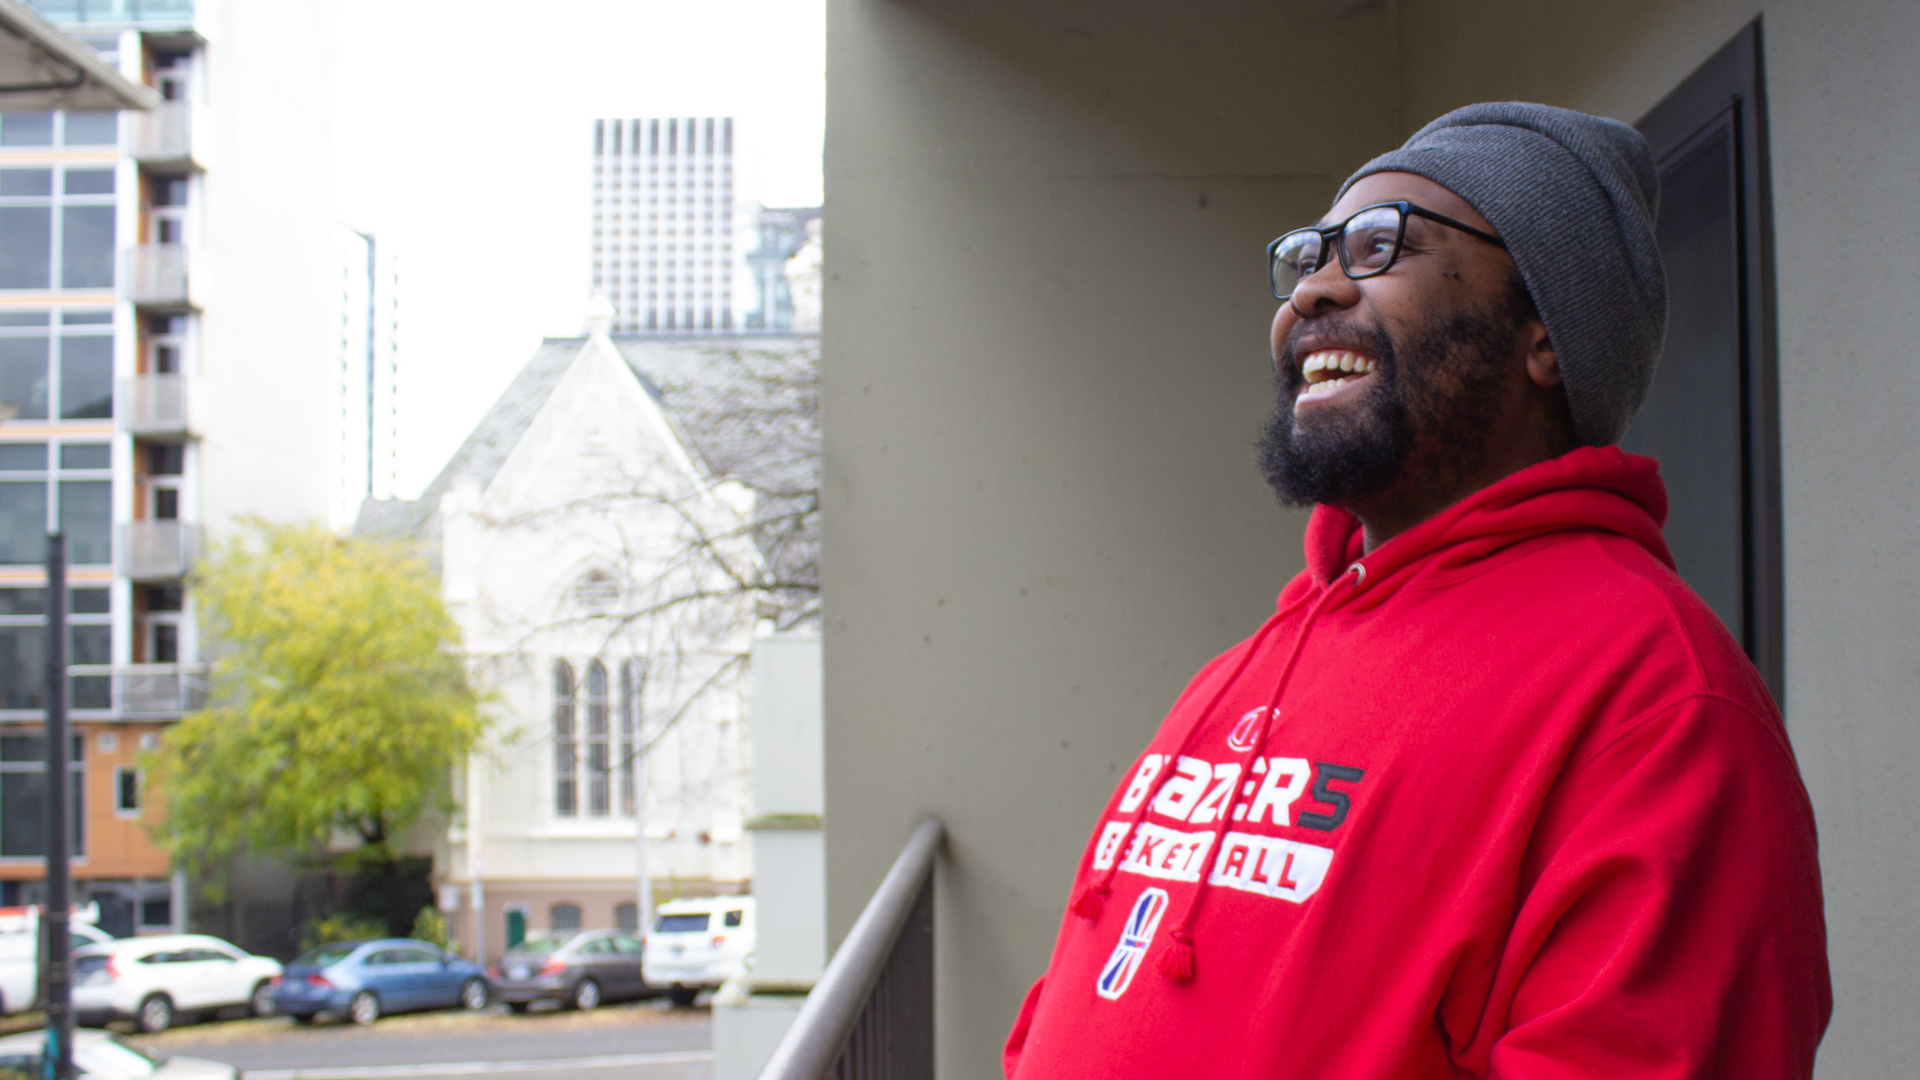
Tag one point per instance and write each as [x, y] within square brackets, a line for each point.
[1091, 901]
[1176, 960]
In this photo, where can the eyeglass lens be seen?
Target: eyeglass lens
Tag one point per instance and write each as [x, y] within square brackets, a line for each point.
[1368, 241]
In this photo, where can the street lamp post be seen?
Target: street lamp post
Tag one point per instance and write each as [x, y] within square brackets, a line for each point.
[57, 980]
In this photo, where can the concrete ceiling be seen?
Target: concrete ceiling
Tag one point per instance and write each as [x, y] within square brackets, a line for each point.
[42, 67]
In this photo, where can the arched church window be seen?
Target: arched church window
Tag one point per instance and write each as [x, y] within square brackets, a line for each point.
[629, 724]
[599, 753]
[566, 746]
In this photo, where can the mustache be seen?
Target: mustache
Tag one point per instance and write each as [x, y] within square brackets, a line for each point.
[1368, 337]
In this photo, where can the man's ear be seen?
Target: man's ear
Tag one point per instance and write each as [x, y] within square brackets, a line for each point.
[1543, 365]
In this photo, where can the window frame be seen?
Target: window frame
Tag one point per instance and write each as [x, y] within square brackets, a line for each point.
[1727, 93]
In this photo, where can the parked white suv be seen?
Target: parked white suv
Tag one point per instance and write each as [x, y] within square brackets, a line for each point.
[697, 943]
[150, 980]
[20, 952]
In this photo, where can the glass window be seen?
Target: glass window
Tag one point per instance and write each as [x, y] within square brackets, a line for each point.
[165, 598]
[23, 667]
[23, 601]
[86, 456]
[23, 457]
[566, 748]
[86, 247]
[26, 182]
[23, 831]
[23, 522]
[86, 318]
[566, 916]
[629, 725]
[626, 917]
[23, 372]
[91, 645]
[86, 516]
[92, 128]
[126, 790]
[156, 911]
[89, 181]
[680, 924]
[86, 379]
[88, 601]
[599, 793]
[26, 240]
[734, 918]
[26, 129]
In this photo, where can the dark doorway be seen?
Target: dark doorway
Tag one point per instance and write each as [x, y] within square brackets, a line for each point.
[1712, 416]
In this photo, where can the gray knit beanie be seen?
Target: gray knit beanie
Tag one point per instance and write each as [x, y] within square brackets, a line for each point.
[1574, 197]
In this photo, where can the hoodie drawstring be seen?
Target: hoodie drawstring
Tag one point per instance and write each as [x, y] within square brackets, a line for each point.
[1176, 960]
[1092, 898]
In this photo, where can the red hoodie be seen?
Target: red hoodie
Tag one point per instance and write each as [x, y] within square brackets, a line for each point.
[1500, 799]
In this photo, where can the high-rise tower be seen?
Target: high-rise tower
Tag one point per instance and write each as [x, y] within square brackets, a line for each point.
[663, 223]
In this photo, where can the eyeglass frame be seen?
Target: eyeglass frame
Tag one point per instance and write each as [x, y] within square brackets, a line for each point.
[1331, 234]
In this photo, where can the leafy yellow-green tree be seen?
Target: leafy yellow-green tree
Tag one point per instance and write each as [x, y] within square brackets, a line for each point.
[338, 703]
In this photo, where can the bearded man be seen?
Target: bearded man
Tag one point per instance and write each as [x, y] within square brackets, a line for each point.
[1492, 793]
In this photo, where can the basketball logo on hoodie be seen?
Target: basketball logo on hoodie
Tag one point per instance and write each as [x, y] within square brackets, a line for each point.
[1246, 731]
[1142, 924]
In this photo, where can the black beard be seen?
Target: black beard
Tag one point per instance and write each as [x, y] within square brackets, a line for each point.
[1435, 396]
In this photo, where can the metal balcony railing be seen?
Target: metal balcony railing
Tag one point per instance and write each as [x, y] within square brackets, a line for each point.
[139, 691]
[164, 137]
[157, 274]
[871, 1015]
[154, 405]
[158, 550]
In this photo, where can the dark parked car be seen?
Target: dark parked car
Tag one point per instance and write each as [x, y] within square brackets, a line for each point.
[580, 970]
[366, 979]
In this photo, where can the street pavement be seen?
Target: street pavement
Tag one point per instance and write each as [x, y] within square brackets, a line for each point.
[644, 1041]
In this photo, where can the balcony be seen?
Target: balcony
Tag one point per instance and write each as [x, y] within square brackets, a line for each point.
[156, 275]
[158, 550]
[164, 141]
[139, 691]
[154, 405]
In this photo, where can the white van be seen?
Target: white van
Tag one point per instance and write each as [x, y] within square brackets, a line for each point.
[20, 952]
[698, 943]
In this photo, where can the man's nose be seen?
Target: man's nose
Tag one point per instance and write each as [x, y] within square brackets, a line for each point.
[1326, 289]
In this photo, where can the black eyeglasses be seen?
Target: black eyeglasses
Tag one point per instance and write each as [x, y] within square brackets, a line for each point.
[1367, 243]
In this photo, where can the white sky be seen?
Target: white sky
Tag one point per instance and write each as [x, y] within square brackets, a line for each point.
[462, 135]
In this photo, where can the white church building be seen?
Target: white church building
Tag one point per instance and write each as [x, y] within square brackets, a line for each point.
[604, 538]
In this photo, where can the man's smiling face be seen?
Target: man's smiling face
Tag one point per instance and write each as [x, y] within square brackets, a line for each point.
[1397, 379]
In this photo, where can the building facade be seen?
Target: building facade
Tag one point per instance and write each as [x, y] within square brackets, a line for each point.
[163, 356]
[662, 237]
[363, 460]
[596, 537]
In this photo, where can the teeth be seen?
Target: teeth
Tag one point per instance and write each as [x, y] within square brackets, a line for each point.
[1335, 363]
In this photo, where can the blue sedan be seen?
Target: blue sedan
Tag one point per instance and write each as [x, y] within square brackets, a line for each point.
[366, 979]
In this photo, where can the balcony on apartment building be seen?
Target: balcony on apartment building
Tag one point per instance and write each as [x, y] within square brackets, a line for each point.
[154, 405]
[139, 691]
[158, 550]
[167, 142]
[157, 275]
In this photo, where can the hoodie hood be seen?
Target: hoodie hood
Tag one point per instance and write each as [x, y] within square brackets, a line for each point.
[1591, 488]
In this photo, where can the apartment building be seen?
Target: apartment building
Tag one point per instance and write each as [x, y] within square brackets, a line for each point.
[164, 349]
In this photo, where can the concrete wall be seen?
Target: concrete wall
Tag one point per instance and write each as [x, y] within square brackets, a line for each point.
[1045, 360]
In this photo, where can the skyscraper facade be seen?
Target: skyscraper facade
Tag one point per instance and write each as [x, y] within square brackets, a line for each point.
[663, 223]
